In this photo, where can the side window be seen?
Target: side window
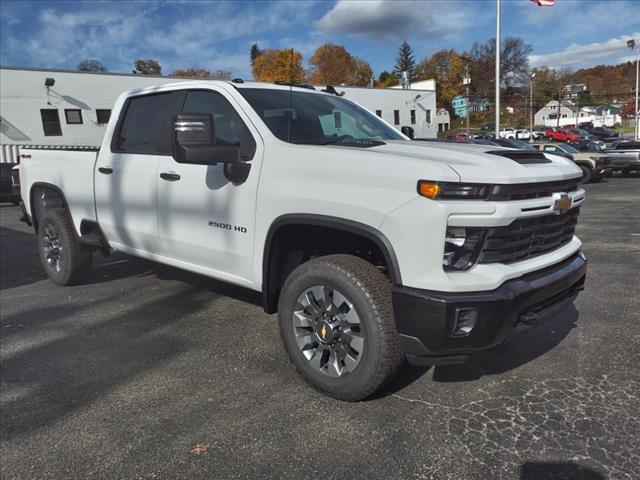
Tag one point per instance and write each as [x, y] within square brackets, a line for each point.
[228, 126]
[51, 122]
[550, 148]
[146, 125]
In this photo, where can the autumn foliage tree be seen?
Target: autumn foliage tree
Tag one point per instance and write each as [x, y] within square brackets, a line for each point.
[333, 65]
[278, 66]
[448, 68]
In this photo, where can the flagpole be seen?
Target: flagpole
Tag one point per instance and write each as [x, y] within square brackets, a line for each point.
[497, 68]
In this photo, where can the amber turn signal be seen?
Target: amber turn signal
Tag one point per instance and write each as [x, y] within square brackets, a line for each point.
[429, 189]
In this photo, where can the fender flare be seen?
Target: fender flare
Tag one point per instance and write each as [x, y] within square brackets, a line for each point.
[50, 186]
[364, 230]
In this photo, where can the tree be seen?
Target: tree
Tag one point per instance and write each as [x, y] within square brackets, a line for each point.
[361, 74]
[386, 79]
[330, 64]
[405, 61]
[514, 64]
[448, 68]
[255, 53]
[333, 65]
[195, 72]
[147, 67]
[92, 65]
[278, 65]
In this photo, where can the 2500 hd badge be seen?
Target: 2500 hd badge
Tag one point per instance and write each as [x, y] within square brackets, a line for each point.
[227, 226]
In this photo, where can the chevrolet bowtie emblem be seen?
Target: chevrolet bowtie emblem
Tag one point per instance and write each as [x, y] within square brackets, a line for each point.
[324, 332]
[562, 203]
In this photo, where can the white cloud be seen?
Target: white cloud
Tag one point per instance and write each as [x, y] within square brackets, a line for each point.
[575, 56]
[386, 19]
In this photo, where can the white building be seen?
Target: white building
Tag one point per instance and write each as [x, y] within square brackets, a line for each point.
[443, 119]
[548, 115]
[56, 107]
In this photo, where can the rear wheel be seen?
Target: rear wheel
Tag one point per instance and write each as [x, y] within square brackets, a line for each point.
[587, 174]
[336, 322]
[65, 260]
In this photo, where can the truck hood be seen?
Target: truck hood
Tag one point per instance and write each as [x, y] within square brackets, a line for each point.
[473, 164]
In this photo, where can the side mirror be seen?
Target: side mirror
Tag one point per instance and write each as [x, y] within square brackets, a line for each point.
[408, 131]
[194, 142]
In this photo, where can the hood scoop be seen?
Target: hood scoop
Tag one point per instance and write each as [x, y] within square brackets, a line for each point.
[523, 157]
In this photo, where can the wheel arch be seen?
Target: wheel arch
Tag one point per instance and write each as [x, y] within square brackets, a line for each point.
[34, 207]
[270, 281]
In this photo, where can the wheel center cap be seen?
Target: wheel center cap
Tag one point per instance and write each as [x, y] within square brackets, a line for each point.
[325, 332]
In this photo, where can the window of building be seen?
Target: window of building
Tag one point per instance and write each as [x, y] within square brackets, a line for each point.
[228, 126]
[146, 125]
[379, 113]
[413, 117]
[103, 116]
[428, 116]
[396, 117]
[73, 116]
[51, 122]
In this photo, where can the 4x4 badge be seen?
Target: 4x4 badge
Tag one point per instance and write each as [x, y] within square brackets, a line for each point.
[562, 203]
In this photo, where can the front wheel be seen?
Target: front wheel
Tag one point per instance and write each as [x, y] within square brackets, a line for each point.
[65, 260]
[337, 325]
[587, 174]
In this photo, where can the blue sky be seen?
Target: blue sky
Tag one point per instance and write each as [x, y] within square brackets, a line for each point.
[185, 33]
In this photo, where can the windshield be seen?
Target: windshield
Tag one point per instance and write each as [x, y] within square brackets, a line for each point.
[309, 118]
[568, 148]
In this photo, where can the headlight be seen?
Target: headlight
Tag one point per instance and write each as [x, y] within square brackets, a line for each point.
[462, 247]
[453, 190]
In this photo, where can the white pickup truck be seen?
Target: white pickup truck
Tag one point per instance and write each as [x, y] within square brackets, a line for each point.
[373, 249]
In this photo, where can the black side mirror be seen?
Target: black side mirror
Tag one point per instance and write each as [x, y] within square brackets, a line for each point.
[408, 131]
[194, 142]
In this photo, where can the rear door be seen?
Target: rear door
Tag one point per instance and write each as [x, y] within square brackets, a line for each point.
[126, 176]
[204, 220]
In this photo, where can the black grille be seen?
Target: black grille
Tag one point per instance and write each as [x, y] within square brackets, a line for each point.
[529, 237]
[524, 191]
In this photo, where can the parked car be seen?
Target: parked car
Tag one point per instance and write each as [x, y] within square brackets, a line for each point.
[562, 135]
[514, 133]
[597, 146]
[625, 157]
[7, 193]
[514, 143]
[415, 253]
[594, 166]
[602, 133]
[538, 133]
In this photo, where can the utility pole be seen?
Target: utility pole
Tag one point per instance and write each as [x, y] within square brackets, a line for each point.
[497, 68]
[632, 45]
[467, 81]
[531, 108]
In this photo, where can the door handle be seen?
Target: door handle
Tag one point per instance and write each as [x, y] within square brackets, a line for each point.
[105, 170]
[169, 177]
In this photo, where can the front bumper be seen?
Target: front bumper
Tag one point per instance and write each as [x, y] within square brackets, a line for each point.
[426, 320]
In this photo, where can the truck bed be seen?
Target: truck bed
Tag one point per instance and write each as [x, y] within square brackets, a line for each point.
[69, 169]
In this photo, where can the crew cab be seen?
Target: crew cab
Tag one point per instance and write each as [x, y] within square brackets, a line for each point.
[372, 248]
[624, 156]
[562, 135]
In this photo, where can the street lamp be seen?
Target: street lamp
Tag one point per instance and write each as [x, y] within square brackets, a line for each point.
[531, 108]
[632, 45]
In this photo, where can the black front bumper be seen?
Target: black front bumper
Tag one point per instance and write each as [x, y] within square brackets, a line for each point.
[426, 320]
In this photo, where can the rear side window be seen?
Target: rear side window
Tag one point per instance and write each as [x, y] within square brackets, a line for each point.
[146, 125]
[228, 127]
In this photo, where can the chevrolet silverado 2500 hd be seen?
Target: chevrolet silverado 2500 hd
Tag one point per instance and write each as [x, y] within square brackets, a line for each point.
[371, 247]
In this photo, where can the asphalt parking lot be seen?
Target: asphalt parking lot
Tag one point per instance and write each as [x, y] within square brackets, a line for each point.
[147, 372]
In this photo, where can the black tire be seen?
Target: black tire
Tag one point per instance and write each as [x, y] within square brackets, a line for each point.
[73, 261]
[587, 174]
[369, 292]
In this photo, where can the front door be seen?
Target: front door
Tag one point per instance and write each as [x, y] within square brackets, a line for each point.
[205, 221]
[126, 176]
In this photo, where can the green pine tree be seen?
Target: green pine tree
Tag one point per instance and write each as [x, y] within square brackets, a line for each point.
[405, 61]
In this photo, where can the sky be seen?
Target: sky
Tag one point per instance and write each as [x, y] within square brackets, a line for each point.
[218, 35]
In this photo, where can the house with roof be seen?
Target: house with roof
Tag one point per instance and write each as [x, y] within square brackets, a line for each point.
[459, 105]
